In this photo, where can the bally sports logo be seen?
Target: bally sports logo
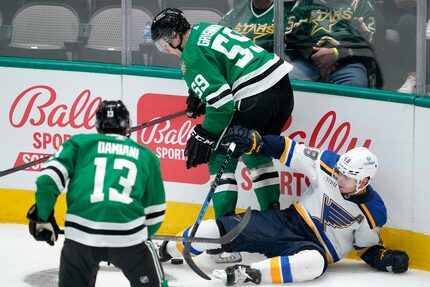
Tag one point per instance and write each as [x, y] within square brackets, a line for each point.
[168, 139]
[38, 108]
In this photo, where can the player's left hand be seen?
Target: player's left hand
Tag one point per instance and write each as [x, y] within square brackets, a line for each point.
[199, 146]
[396, 261]
[247, 141]
[42, 230]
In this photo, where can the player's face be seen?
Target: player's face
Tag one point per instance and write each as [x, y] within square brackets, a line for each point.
[164, 46]
[346, 183]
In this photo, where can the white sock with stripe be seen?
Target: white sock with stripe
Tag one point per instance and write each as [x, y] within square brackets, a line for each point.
[302, 266]
[207, 228]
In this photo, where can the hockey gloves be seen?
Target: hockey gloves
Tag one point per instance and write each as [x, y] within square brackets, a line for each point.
[383, 259]
[43, 230]
[396, 261]
[247, 141]
[195, 107]
[199, 146]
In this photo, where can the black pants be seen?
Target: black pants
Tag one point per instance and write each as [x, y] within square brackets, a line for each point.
[268, 111]
[79, 264]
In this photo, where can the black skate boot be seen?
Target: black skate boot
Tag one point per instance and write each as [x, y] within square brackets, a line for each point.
[238, 274]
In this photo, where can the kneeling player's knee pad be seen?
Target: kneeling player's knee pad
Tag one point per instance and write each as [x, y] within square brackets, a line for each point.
[306, 265]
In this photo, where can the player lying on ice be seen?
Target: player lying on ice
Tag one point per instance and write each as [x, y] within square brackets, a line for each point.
[338, 212]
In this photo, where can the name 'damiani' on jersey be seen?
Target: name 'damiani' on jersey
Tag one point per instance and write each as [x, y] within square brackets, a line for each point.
[119, 149]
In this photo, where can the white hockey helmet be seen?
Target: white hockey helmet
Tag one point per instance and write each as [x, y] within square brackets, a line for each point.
[358, 163]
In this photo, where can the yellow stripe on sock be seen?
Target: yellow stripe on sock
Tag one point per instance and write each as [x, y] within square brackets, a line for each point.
[275, 269]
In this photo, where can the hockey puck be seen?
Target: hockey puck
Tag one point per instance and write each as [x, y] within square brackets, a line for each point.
[177, 261]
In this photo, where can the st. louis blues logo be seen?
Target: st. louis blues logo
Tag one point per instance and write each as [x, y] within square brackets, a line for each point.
[332, 214]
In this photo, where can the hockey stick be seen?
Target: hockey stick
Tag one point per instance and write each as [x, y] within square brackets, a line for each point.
[133, 129]
[227, 238]
[186, 253]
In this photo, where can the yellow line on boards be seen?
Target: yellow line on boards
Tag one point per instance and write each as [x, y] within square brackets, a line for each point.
[14, 205]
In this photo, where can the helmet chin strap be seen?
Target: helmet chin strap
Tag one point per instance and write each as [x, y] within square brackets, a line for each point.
[357, 189]
[179, 45]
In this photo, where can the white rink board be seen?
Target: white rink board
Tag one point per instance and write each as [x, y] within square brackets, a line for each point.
[420, 190]
[389, 127]
[54, 93]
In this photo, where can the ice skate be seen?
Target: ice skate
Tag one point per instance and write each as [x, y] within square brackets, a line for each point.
[237, 275]
[219, 256]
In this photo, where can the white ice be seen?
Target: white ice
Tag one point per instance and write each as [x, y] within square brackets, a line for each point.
[25, 262]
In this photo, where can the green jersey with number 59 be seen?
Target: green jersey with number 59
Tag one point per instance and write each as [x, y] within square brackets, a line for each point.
[115, 193]
[223, 67]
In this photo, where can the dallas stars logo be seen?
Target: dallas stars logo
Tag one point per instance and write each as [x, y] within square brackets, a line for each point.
[325, 20]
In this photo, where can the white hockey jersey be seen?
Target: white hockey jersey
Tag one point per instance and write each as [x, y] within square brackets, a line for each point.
[340, 222]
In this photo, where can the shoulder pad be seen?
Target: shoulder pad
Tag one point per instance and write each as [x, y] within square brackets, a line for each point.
[374, 210]
[328, 160]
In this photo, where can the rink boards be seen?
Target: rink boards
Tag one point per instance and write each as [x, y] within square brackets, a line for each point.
[42, 107]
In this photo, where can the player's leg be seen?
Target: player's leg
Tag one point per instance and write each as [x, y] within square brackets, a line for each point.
[265, 179]
[207, 228]
[258, 235]
[303, 266]
[273, 107]
[78, 266]
[225, 197]
[139, 263]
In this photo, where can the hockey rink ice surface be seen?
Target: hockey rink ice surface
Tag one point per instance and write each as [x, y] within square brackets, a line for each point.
[25, 262]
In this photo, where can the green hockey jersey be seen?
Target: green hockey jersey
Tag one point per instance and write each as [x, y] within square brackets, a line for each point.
[246, 20]
[346, 24]
[115, 193]
[223, 67]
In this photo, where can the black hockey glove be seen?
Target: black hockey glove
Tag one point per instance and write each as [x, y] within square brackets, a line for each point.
[396, 261]
[42, 230]
[383, 259]
[195, 107]
[247, 141]
[199, 146]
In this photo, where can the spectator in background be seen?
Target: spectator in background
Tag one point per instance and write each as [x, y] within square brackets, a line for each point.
[330, 41]
[407, 29]
[254, 19]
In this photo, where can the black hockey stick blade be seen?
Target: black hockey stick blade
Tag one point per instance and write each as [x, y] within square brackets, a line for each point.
[230, 236]
[132, 130]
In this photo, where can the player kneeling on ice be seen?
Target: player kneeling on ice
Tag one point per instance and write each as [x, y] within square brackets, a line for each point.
[115, 202]
[338, 212]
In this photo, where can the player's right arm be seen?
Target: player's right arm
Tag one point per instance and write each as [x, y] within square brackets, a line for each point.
[289, 152]
[54, 176]
[154, 200]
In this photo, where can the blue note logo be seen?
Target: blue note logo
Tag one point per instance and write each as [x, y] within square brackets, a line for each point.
[334, 215]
